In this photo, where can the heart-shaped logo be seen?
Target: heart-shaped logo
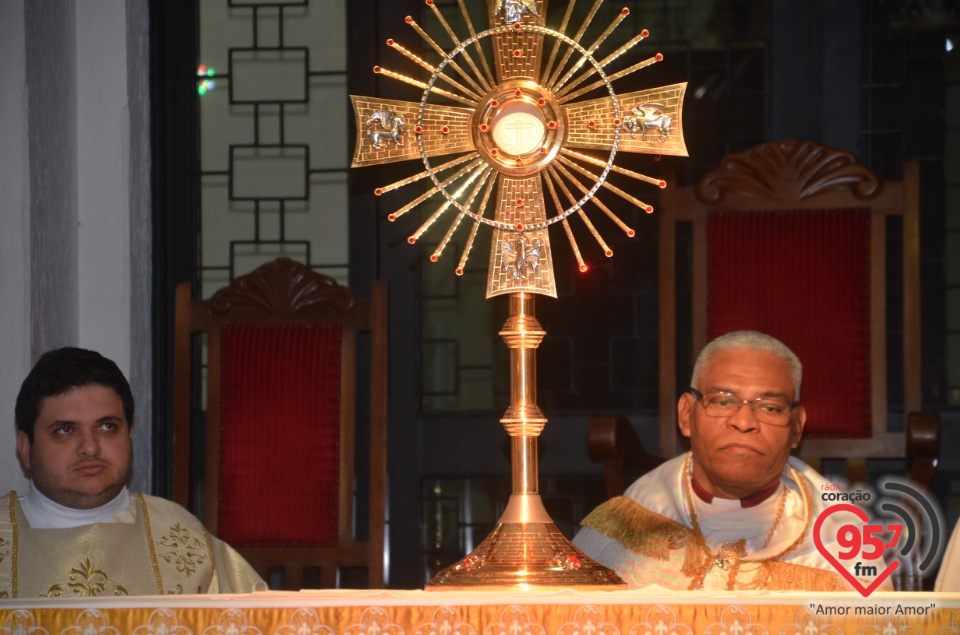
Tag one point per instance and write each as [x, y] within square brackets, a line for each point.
[862, 515]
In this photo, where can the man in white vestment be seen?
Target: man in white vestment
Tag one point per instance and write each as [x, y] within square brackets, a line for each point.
[79, 531]
[948, 579]
[737, 511]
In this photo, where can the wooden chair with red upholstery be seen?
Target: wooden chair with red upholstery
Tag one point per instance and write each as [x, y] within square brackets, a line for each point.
[796, 239]
[280, 389]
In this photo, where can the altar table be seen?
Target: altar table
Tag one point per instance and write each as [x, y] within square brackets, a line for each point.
[567, 612]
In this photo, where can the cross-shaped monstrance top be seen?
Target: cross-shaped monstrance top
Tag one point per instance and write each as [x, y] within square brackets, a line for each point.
[518, 128]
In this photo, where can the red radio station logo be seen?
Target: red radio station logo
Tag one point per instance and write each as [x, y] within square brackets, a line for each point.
[863, 548]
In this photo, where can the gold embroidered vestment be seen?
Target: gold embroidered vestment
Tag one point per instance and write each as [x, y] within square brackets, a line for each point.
[164, 550]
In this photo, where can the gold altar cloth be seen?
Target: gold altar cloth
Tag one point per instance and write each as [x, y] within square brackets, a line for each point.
[357, 612]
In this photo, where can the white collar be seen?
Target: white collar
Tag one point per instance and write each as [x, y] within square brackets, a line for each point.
[43, 513]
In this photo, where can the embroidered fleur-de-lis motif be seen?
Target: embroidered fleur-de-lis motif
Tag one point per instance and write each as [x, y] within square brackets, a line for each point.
[85, 580]
[162, 622]
[233, 622]
[186, 551]
[4, 551]
[91, 622]
[21, 622]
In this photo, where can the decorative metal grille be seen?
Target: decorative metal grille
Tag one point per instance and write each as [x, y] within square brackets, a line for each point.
[272, 136]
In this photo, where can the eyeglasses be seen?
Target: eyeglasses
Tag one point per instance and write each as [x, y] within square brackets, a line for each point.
[774, 412]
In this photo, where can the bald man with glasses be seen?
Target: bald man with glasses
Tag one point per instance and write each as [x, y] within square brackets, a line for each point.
[737, 511]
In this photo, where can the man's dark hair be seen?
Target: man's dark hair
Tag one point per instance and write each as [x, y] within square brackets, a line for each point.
[58, 372]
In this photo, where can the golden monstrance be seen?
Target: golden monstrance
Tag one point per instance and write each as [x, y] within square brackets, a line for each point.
[520, 144]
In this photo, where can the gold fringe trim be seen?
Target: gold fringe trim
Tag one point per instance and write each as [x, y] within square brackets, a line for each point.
[648, 533]
[655, 536]
[787, 576]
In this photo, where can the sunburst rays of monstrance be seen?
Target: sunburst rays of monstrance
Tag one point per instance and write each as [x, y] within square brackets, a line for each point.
[520, 146]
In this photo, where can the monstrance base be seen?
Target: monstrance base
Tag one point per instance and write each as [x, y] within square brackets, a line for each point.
[526, 556]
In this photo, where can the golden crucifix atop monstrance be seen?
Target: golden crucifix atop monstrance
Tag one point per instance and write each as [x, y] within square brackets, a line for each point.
[520, 143]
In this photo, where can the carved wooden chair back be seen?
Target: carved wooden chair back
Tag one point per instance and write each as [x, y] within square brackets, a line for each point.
[279, 392]
[791, 238]
[798, 240]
